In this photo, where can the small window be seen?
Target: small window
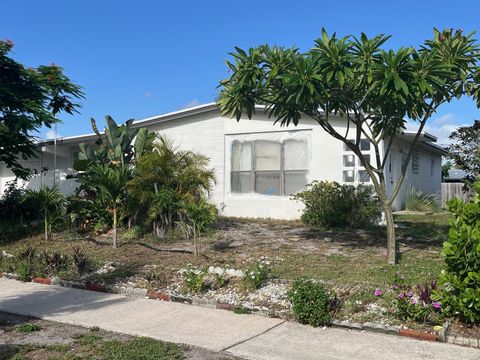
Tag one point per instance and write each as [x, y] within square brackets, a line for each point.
[345, 146]
[367, 159]
[364, 145]
[348, 160]
[363, 176]
[432, 167]
[415, 162]
[348, 176]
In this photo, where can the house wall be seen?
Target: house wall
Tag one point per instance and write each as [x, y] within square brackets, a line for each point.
[45, 160]
[426, 180]
[210, 134]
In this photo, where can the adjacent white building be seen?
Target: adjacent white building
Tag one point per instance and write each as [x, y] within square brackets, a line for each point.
[258, 165]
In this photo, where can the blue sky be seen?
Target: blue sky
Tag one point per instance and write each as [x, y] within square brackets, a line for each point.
[142, 58]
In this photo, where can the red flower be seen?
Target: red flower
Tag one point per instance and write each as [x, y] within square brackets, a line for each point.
[49, 78]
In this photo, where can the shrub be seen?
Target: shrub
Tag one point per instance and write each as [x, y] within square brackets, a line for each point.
[419, 201]
[28, 327]
[194, 279]
[53, 263]
[132, 234]
[24, 263]
[311, 303]
[80, 261]
[333, 205]
[460, 280]
[256, 275]
[417, 304]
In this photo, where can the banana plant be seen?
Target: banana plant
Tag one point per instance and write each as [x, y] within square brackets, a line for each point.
[117, 146]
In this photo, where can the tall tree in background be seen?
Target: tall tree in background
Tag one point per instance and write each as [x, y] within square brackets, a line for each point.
[29, 99]
[465, 151]
[374, 89]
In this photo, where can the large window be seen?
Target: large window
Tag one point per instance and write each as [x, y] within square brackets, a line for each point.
[269, 167]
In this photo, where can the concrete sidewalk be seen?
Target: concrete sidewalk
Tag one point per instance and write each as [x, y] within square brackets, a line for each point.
[249, 336]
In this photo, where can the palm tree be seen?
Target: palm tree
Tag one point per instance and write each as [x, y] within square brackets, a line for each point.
[50, 202]
[163, 180]
[110, 183]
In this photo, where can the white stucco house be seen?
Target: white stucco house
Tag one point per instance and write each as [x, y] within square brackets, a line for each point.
[257, 165]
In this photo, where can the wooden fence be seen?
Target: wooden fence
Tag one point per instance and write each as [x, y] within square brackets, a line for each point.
[454, 190]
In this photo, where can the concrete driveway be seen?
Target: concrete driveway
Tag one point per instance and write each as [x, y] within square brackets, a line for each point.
[248, 336]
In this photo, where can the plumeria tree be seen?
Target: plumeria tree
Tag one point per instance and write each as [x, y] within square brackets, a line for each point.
[375, 90]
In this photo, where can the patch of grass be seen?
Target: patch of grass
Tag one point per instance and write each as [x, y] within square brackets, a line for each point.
[28, 327]
[88, 339]
[242, 311]
[140, 348]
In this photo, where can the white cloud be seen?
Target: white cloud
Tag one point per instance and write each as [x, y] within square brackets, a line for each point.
[50, 134]
[190, 104]
[441, 127]
[148, 94]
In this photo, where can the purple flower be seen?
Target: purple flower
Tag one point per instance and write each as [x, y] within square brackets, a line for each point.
[377, 292]
[401, 295]
[437, 305]
[413, 301]
[409, 294]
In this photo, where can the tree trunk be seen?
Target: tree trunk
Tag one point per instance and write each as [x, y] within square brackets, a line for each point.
[115, 227]
[46, 226]
[195, 245]
[391, 245]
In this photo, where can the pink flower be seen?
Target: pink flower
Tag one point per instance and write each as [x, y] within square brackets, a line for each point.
[413, 301]
[409, 294]
[377, 292]
[437, 305]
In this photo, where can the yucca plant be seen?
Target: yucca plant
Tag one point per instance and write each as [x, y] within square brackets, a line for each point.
[50, 202]
[417, 200]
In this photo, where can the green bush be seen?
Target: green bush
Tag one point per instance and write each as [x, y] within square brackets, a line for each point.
[330, 204]
[311, 303]
[132, 234]
[28, 327]
[256, 275]
[419, 201]
[80, 261]
[460, 280]
[194, 279]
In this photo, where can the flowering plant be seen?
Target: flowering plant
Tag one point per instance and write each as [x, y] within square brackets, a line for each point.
[416, 304]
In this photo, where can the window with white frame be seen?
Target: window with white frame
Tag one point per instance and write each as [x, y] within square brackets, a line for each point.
[353, 169]
[269, 167]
